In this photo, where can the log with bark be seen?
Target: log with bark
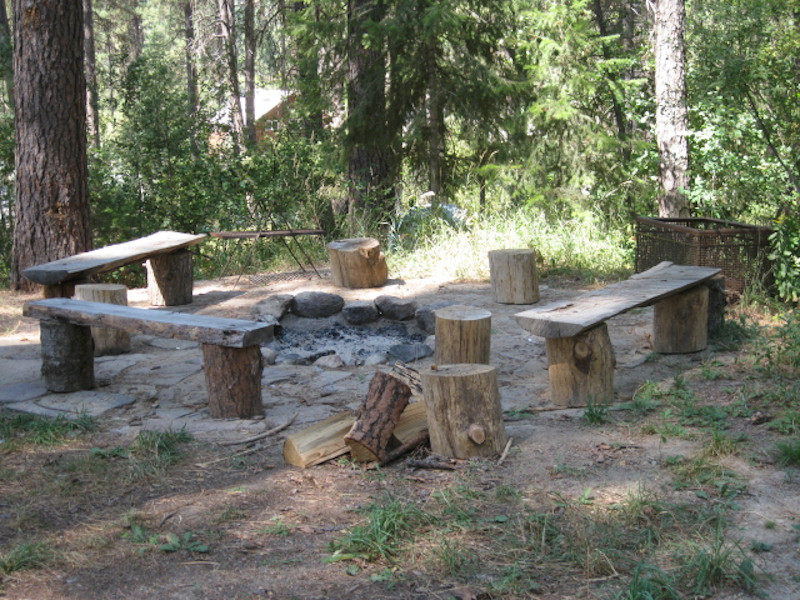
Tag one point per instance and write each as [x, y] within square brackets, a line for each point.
[513, 276]
[357, 263]
[107, 340]
[463, 335]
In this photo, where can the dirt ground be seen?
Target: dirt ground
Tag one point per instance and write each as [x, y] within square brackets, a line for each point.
[268, 526]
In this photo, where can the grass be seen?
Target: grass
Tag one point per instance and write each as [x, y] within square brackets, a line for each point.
[24, 428]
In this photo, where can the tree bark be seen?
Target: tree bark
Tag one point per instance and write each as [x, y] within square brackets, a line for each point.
[250, 72]
[233, 380]
[52, 196]
[581, 368]
[465, 416]
[107, 340]
[189, 50]
[170, 279]
[672, 122]
[67, 356]
[680, 322]
[230, 56]
[369, 162]
[6, 60]
[513, 276]
[463, 335]
[372, 432]
[90, 67]
[357, 263]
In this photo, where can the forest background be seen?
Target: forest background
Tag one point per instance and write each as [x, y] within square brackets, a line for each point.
[507, 110]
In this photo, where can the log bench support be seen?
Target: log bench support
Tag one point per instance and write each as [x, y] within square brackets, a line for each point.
[463, 335]
[580, 356]
[232, 360]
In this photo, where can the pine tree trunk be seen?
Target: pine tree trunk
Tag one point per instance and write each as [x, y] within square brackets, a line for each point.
[672, 122]
[7, 65]
[92, 114]
[52, 197]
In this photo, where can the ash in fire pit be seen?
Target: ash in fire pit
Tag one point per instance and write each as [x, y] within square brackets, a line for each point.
[304, 341]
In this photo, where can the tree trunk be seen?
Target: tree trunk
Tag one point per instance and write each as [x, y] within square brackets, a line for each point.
[191, 68]
[233, 380]
[107, 340]
[52, 197]
[463, 335]
[67, 356]
[170, 279]
[680, 322]
[230, 57]
[465, 417]
[6, 61]
[372, 432]
[581, 368]
[369, 163]
[672, 122]
[90, 67]
[513, 276]
[357, 263]
[250, 72]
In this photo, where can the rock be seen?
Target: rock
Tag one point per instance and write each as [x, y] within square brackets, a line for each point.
[409, 352]
[275, 306]
[316, 305]
[360, 312]
[331, 361]
[269, 355]
[396, 309]
[373, 360]
[426, 316]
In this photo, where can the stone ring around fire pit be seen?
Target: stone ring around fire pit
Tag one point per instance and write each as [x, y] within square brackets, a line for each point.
[321, 328]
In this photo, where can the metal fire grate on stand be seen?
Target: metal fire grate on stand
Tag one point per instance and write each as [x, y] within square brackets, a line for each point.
[739, 250]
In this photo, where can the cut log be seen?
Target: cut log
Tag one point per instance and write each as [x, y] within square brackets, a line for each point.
[233, 379]
[170, 278]
[513, 276]
[357, 263]
[324, 441]
[106, 340]
[465, 417]
[581, 368]
[680, 322]
[463, 335]
[67, 356]
[371, 434]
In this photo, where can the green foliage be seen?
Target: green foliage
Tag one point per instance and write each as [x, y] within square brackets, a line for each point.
[27, 555]
[46, 431]
[153, 451]
[785, 242]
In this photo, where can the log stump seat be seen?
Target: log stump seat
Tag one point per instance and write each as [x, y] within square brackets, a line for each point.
[232, 359]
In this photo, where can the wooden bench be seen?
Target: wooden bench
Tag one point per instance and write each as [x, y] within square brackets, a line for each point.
[232, 358]
[580, 357]
[169, 267]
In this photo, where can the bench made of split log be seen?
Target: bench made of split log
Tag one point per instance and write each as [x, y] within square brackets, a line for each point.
[580, 357]
[169, 267]
[232, 358]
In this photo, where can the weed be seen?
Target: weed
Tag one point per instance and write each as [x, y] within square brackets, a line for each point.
[188, 541]
[706, 566]
[789, 453]
[231, 513]
[722, 444]
[388, 523]
[278, 528]
[787, 422]
[649, 583]
[595, 414]
[705, 476]
[28, 555]
[734, 333]
[711, 371]
[458, 560]
[153, 451]
[518, 414]
[43, 431]
[646, 398]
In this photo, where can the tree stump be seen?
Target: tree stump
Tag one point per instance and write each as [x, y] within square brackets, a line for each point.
[67, 356]
[233, 379]
[170, 278]
[513, 276]
[680, 322]
[106, 339]
[357, 263]
[371, 434]
[463, 335]
[581, 367]
[465, 417]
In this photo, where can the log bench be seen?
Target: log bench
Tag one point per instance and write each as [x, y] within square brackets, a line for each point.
[169, 267]
[579, 353]
[232, 359]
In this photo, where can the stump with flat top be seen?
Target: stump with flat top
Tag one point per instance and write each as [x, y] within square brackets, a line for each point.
[581, 368]
[67, 356]
[465, 417]
[357, 263]
[463, 335]
[513, 276]
[170, 278]
[680, 322]
[107, 341]
[369, 438]
[233, 380]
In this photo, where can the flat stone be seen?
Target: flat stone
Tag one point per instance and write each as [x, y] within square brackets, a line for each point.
[426, 316]
[395, 308]
[108, 368]
[329, 378]
[360, 312]
[19, 371]
[166, 373]
[274, 306]
[20, 392]
[375, 359]
[330, 361]
[91, 402]
[172, 344]
[317, 305]
[269, 355]
[409, 352]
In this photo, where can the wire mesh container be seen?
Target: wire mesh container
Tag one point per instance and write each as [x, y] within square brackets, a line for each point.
[740, 250]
